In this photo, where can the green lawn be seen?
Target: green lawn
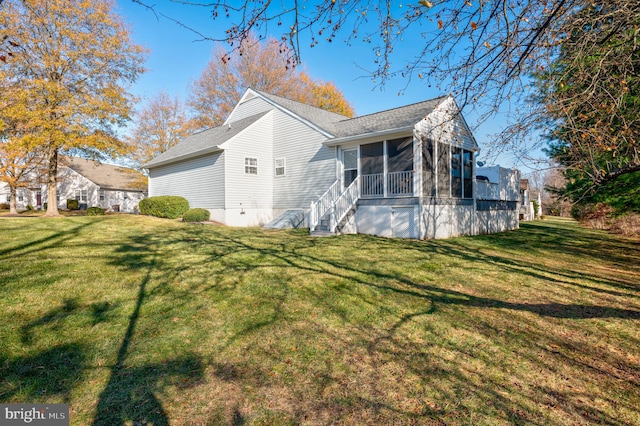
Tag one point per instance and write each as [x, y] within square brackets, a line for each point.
[132, 319]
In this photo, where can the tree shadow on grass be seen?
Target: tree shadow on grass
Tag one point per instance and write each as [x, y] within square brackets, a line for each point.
[42, 377]
[230, 254]
[130, 395]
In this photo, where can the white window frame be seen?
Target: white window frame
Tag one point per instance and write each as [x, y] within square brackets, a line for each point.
[282, 167]
[102, 196]
[250, 166]
[82, 195]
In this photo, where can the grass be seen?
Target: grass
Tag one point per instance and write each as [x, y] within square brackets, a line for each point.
[136, 320]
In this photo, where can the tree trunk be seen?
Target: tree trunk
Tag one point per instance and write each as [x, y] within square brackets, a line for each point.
[52, 188]
[12, 203]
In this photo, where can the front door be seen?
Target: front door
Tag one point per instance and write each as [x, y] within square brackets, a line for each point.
[350, 166]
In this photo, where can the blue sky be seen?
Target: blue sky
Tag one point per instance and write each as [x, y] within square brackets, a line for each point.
[178, 56]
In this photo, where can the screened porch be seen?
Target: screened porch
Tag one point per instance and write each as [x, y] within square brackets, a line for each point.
[386, 168]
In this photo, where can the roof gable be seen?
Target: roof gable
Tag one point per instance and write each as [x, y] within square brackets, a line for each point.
[206, 141]
[106, 176]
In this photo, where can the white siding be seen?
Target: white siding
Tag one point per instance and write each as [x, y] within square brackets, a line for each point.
[384, 220]
[493, 221]
[249, 108]
[310, 166]
[446, 221]
[445, 124]
[68, 181]
[504, 184]
[247, 191]
[200, 180]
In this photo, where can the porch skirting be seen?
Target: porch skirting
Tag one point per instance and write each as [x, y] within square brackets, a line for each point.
[405, 218]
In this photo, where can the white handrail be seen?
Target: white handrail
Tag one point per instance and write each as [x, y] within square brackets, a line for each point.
[323, 205]
[345, 203]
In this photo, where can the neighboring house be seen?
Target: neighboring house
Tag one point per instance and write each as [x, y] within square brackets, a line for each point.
[497, 199]
[527, 210]
[406, 172]
[92, 183]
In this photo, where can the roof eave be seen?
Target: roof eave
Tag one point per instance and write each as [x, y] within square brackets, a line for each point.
[380, 133]
[210, 150]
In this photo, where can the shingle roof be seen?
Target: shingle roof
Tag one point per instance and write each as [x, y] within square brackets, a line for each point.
[106, 176]
[335, 125]
[342, 126]
[395, 118]
[324, 119]
[203, 142]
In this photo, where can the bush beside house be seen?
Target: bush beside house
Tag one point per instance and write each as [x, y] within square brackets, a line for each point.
[165, 206]
[95, 211]
[73, 204]
[196, 215]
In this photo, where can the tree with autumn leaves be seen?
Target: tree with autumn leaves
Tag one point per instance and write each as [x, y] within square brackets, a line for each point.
[63, 81]
[266, 66]
[160, 123]
[262, 65]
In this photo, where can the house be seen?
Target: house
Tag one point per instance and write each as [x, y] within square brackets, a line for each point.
[497, 199]
[90, 182]
[527, 211]
[405, 172]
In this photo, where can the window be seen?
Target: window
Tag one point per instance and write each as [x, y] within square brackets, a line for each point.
[428, 188]
[372, 158]
[20, 197]
[400, 166]
[467, 173]
[8, 198]
[250, 166]
[372, 169]
[400, 155]
[280, 168]
[101, 195]
[456, 172]
[81, 195]
[444, 177]
[350, 165]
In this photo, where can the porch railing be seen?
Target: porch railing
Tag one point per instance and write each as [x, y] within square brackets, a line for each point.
[323, 205]
[400, 183]
[372, 185]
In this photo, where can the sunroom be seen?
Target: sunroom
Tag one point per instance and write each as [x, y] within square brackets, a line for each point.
[388, 169]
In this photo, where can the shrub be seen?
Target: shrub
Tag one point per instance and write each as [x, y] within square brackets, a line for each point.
[45, 205]
[196, 215]
[29, 207]
[95, 211]
[167, 206]
[73, 204]
[4, 206]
